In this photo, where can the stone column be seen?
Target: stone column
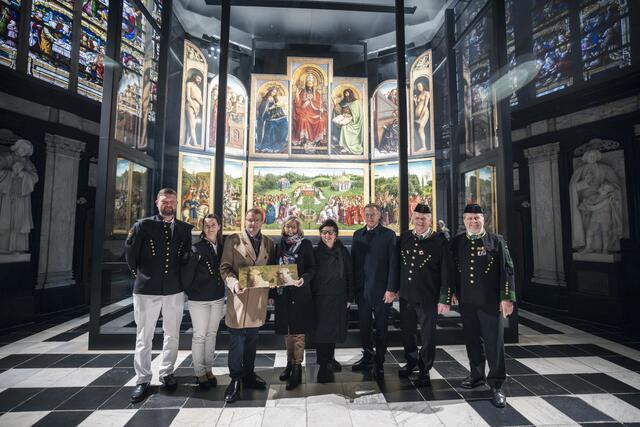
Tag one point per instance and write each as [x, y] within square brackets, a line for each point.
[55, 266]
[548, 266]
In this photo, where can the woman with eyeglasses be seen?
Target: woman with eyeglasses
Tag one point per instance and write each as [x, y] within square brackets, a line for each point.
[333, 291]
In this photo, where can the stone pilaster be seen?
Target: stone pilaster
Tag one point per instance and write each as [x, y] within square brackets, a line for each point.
[59, 211]
[548, 266]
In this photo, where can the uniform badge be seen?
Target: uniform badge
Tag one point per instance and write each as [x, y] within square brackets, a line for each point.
[421, 252]
[482, 251]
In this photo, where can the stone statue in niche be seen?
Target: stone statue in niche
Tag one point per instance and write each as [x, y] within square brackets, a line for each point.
[18, 177]
[596, 194]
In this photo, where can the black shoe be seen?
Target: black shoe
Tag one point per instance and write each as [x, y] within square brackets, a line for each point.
[408, 369]
[499, 400]
[139, 393]
[296, 377]
[335, 366]
[471, 382]
[255, 382]
[378, 372]
[423, 379]
[169, 382]
[325, 374]
[284, 375]
[202, 386]
[213, 381]
[364, 364]
[232, 393]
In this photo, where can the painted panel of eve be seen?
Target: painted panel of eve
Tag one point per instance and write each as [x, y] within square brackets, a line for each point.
[421, 106]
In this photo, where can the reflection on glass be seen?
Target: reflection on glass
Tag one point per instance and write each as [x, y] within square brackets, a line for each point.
[236, 116]
[233, 201]
[385, 130]
[386, 189]
[310, 193]
[131, 196]
[195, 183]
[121, 197]
[93, 40]
[137, 92]
[604, 36]
[480, 188]
[9, 18]
[551, 45]
[474, 71]
[50, 41]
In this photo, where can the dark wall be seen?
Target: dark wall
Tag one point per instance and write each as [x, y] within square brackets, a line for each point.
[21, 302]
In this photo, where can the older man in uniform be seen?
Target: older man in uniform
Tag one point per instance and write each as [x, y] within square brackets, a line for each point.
[155, 249]
[485, 285]
[375, 270]
[246, 308]
[425, 290]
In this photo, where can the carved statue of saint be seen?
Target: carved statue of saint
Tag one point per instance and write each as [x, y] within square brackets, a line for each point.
[596, 206]
[18, 177]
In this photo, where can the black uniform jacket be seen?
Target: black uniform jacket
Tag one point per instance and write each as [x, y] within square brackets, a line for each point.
[201, 274]
[484, 269]
[426, 269]
[155, 255]
[294, 305]
[375, 262]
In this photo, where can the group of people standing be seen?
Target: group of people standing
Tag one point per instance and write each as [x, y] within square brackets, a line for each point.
[423, 269]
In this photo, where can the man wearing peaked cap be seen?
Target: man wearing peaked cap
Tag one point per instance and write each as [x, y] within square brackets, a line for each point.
[425, 290]
[484, 283]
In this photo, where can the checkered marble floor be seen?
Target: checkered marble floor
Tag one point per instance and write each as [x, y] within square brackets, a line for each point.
[558, 375]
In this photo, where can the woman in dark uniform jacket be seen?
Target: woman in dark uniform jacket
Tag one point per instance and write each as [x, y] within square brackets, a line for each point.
[293, 304]
[333, 291]
[205, 289]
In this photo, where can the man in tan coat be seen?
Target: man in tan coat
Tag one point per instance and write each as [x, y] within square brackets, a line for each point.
[246, 308]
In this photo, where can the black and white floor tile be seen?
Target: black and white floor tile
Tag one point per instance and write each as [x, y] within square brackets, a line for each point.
[558, 375]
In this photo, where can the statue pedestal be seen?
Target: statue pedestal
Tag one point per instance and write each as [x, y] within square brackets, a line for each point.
[596, 257]
[14, 258]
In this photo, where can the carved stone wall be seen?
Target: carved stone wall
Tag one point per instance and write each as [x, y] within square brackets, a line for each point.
[548, 267]
[59, 211]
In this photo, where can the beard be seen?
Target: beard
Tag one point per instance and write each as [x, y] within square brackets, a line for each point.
[168, 211]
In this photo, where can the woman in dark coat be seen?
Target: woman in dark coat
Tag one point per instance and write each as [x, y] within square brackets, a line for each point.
[293, 304]
[204, 287]
[333, 291]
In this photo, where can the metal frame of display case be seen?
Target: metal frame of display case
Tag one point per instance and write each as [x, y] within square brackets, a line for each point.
[155, 160]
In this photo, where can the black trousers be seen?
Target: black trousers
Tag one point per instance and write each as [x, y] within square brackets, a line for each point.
[426, 316]
[242, 352]
[484, 338]
[325, 353]
[374, 322]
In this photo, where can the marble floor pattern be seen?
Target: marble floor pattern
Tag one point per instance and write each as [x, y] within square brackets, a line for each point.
[557, 375]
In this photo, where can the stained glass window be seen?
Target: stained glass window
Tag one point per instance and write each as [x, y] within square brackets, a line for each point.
[551, 46]
[137, 93]
[9, 19]
[93, 40]
[511, 49]
[480, 188]
[604, 36]
[474, 70]
[465, 12]
[50, 41]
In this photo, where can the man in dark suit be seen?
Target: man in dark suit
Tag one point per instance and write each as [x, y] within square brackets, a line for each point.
[484, 283]
[375, 265]
[155, 249]
[425, 290]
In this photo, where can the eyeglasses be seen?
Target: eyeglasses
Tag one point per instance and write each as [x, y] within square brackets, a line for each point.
[330, 232]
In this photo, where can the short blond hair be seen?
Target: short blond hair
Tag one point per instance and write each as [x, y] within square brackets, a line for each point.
[298, 223]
